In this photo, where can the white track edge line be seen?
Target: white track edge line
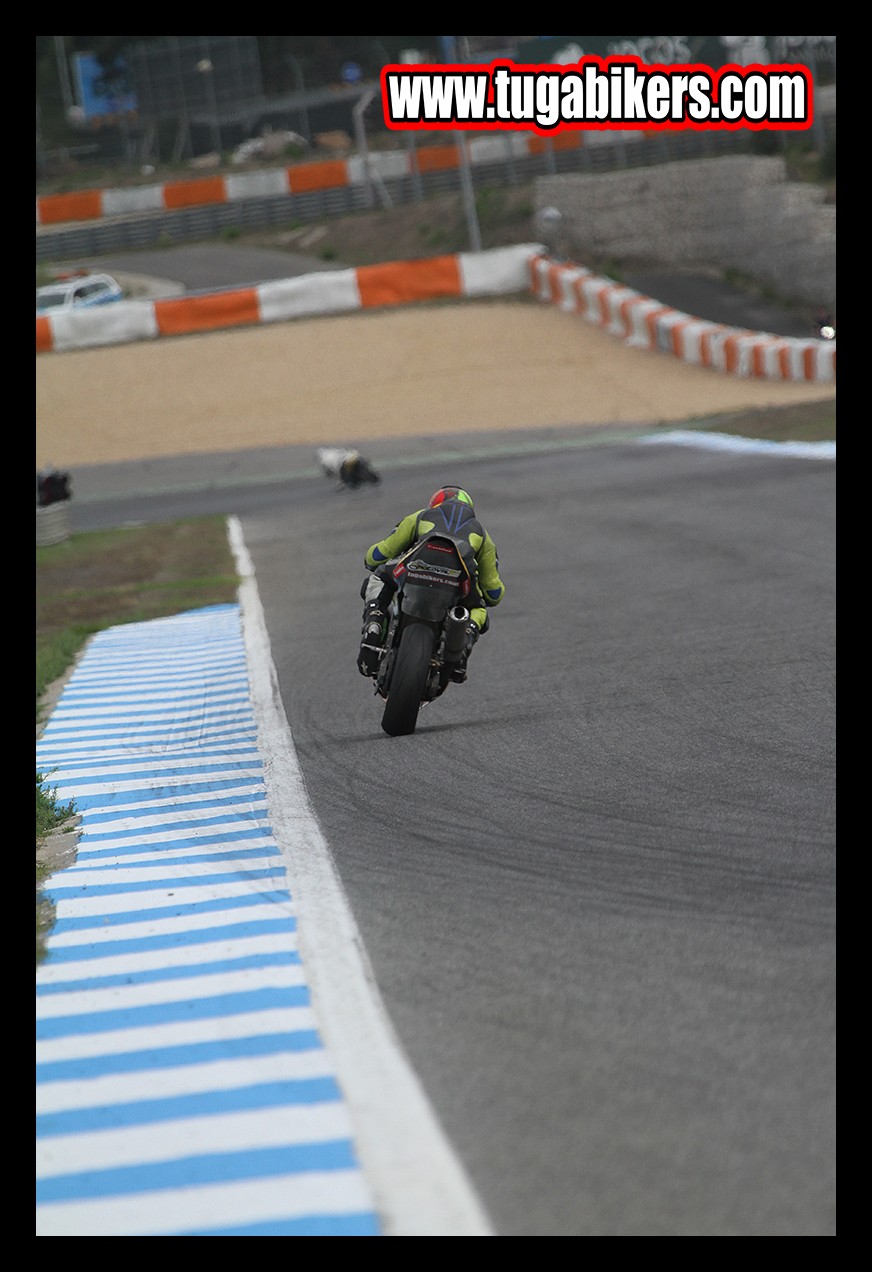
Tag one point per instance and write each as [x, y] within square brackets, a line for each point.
[419, 1185]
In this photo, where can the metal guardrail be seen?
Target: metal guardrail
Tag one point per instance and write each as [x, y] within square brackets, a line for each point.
[159, 229]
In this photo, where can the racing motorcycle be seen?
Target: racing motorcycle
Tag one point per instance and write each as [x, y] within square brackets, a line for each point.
[427, 634]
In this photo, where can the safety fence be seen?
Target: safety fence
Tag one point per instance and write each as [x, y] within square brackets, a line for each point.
[371, 176]
[327, 174]
[94, 222]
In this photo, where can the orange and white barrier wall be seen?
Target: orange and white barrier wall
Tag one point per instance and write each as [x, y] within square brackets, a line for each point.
[501, 270]
[640, 321]
[645, 323]
[326, 174]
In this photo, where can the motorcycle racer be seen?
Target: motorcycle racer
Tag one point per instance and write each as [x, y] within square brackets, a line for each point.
[450, 512]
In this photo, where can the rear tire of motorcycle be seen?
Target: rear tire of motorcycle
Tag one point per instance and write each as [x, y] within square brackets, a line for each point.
[409, 680]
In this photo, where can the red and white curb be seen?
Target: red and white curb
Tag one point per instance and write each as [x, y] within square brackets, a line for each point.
[645, 323]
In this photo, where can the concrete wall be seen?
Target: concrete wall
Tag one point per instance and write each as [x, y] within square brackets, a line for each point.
[737, 212]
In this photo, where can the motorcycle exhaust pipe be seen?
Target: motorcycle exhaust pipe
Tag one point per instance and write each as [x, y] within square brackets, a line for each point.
[456, 624]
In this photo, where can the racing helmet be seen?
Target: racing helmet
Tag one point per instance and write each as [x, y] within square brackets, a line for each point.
[449, 492]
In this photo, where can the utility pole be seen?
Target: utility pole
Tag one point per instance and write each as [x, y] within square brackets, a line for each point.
[301, 89]
[63, 74]
[372, 177]
[454, 47]
[468, 193]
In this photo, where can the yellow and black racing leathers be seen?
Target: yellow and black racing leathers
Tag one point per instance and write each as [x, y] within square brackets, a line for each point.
[458, 521]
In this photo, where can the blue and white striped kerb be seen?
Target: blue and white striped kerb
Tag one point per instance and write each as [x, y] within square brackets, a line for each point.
[182, 1085]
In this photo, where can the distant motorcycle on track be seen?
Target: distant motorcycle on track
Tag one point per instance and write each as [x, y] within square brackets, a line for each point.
[348, 467]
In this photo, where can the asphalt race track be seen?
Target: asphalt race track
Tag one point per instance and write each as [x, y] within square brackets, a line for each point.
[598, 884]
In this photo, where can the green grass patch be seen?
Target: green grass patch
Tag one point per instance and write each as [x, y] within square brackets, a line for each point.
[802, 422]
[50, 814]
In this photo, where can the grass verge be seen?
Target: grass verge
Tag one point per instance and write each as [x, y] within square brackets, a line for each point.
[802, 422]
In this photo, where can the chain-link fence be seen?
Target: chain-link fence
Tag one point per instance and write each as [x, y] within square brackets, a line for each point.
[190, 96]
[177, 98]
